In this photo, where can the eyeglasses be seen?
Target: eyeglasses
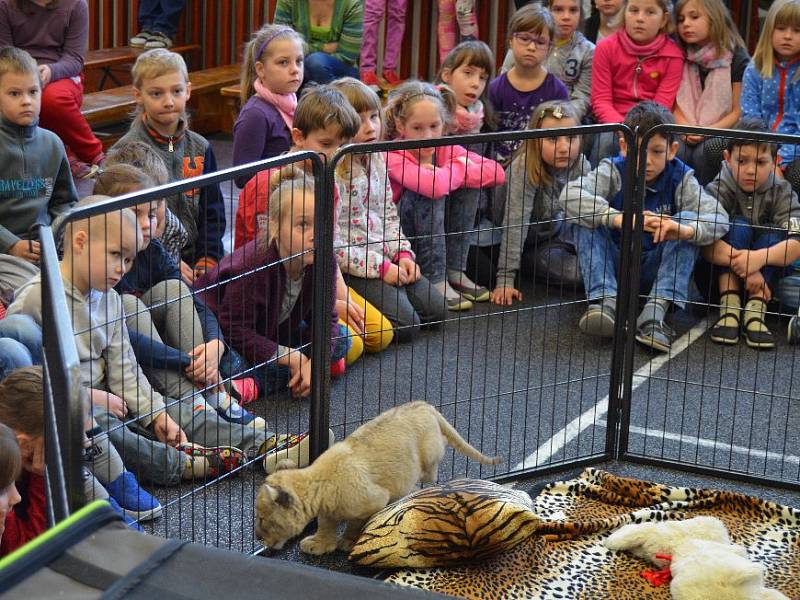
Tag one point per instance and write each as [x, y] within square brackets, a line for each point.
[526, 39]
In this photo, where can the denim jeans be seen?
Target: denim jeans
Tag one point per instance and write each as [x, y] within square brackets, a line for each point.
[666, 269]
[13, 355]
[422, 220]
[742, 235]
[23, 329]
[160, 15]
[460, 209]
[273, 378]
[324, 68]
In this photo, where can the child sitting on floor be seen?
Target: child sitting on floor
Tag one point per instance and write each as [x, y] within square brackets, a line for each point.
[10, 470]
[678, 217]
[36, 183]
[162, 88]
[764, 237]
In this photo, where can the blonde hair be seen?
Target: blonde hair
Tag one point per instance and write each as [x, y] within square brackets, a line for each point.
[531, 150]
[406, 95]
[472, 53]
[119, 179]
[155, 63]
[284, 187]
[363, 99]
[140, 155]
[15, 60]
[784, 13]
[721, 30]
[102, 225]
[666, 6]
[256, 51]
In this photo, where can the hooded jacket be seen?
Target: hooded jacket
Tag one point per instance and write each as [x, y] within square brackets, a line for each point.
[773, 204]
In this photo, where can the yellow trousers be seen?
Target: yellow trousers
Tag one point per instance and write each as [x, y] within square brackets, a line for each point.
[378, 330]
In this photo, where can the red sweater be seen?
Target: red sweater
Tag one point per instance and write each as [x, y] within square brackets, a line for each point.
[28, 518]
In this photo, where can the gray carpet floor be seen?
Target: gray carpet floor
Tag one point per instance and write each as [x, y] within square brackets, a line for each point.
[527, 385]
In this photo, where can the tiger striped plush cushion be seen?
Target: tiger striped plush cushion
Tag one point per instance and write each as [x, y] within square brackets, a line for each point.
[448, 524]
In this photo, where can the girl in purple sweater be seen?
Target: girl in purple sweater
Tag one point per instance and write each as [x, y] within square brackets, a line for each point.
[272, 72]
[262, 294]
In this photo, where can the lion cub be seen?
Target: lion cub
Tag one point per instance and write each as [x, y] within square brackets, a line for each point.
[380, 462]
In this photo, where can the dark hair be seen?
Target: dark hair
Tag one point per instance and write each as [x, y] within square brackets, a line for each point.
[473, 53]
[752, 125]
[647, 114]
[22, 401]
[10, 459]
[532, 17]
[321, 105]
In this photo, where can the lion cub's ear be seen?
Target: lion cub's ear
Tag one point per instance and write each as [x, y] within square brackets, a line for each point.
[283, 499]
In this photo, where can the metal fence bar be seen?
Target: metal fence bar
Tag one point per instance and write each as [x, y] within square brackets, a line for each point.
[64, 395]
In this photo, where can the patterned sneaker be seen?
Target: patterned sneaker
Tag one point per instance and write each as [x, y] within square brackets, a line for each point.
[294, 447]
[220, 459]
[136, 502]
[234, 413]
[141, 38]
[158, 40]
[392, 78]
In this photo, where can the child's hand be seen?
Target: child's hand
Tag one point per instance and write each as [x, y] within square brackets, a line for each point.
[198, 272]
[505, 296]
[756, 285]
[300, 381]
[45, 74]
[693, 140]
[187, 273]
[664, 229]
[110, 402]
[167, 430]
[330, 47]
[746, 262]
[205, 362]
[395, 276]
[410, 268]
[351, 313]
[27, 250]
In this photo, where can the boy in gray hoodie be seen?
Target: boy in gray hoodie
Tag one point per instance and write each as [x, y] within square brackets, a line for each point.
[35, 181]
[764, 237]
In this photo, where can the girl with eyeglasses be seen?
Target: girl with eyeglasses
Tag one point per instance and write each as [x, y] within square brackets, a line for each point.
[516, 93]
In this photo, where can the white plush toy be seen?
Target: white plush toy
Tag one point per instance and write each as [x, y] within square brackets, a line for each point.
[704, 564]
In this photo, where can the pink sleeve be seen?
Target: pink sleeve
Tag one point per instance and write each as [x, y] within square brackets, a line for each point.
[483, 172]
[427, 181]
[602, 93]
[670, 82]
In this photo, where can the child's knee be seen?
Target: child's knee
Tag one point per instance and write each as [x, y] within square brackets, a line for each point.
[379, 331]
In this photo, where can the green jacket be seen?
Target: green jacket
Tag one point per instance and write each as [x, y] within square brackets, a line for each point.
[347, 26]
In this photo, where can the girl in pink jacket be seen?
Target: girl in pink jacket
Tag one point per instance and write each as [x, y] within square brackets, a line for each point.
[638, 62]
[426, 184]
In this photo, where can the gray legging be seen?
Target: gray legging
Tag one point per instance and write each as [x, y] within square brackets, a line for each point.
[406, 307]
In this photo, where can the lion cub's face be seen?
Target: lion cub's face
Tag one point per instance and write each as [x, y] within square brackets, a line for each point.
[279, 516]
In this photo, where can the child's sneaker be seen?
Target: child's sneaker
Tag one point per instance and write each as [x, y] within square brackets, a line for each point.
[218, 460]
[158, 40]
[370, 79]
[598, 320]
[793, 332]
[128, 520]
[470, 290]
[141, 38]
[136, 502]
[244, 390]
[293, 447]
[392, 78]
[656, 335]
[236, 414]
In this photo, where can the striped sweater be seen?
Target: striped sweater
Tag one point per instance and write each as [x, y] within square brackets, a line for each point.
[347, 26]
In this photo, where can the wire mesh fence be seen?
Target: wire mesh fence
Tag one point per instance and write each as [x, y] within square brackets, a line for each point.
[421, 270]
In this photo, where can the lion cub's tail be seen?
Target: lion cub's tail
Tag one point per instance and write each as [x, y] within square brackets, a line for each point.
[456, 441]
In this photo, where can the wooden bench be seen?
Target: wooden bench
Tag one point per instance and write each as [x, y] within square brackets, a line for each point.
[106, 59]
[115, 105]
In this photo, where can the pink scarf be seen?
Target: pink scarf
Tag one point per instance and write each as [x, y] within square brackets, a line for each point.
[468, 120]
[641, 50]
[704, 105]
[285, 103]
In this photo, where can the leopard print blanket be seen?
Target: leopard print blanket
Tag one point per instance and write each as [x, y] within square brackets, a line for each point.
[566, 558]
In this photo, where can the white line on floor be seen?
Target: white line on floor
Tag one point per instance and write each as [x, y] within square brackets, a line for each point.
[707, 443]
[588, 418]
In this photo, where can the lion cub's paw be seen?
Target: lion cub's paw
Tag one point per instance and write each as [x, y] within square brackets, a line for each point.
[346, 544]
[315, 545]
